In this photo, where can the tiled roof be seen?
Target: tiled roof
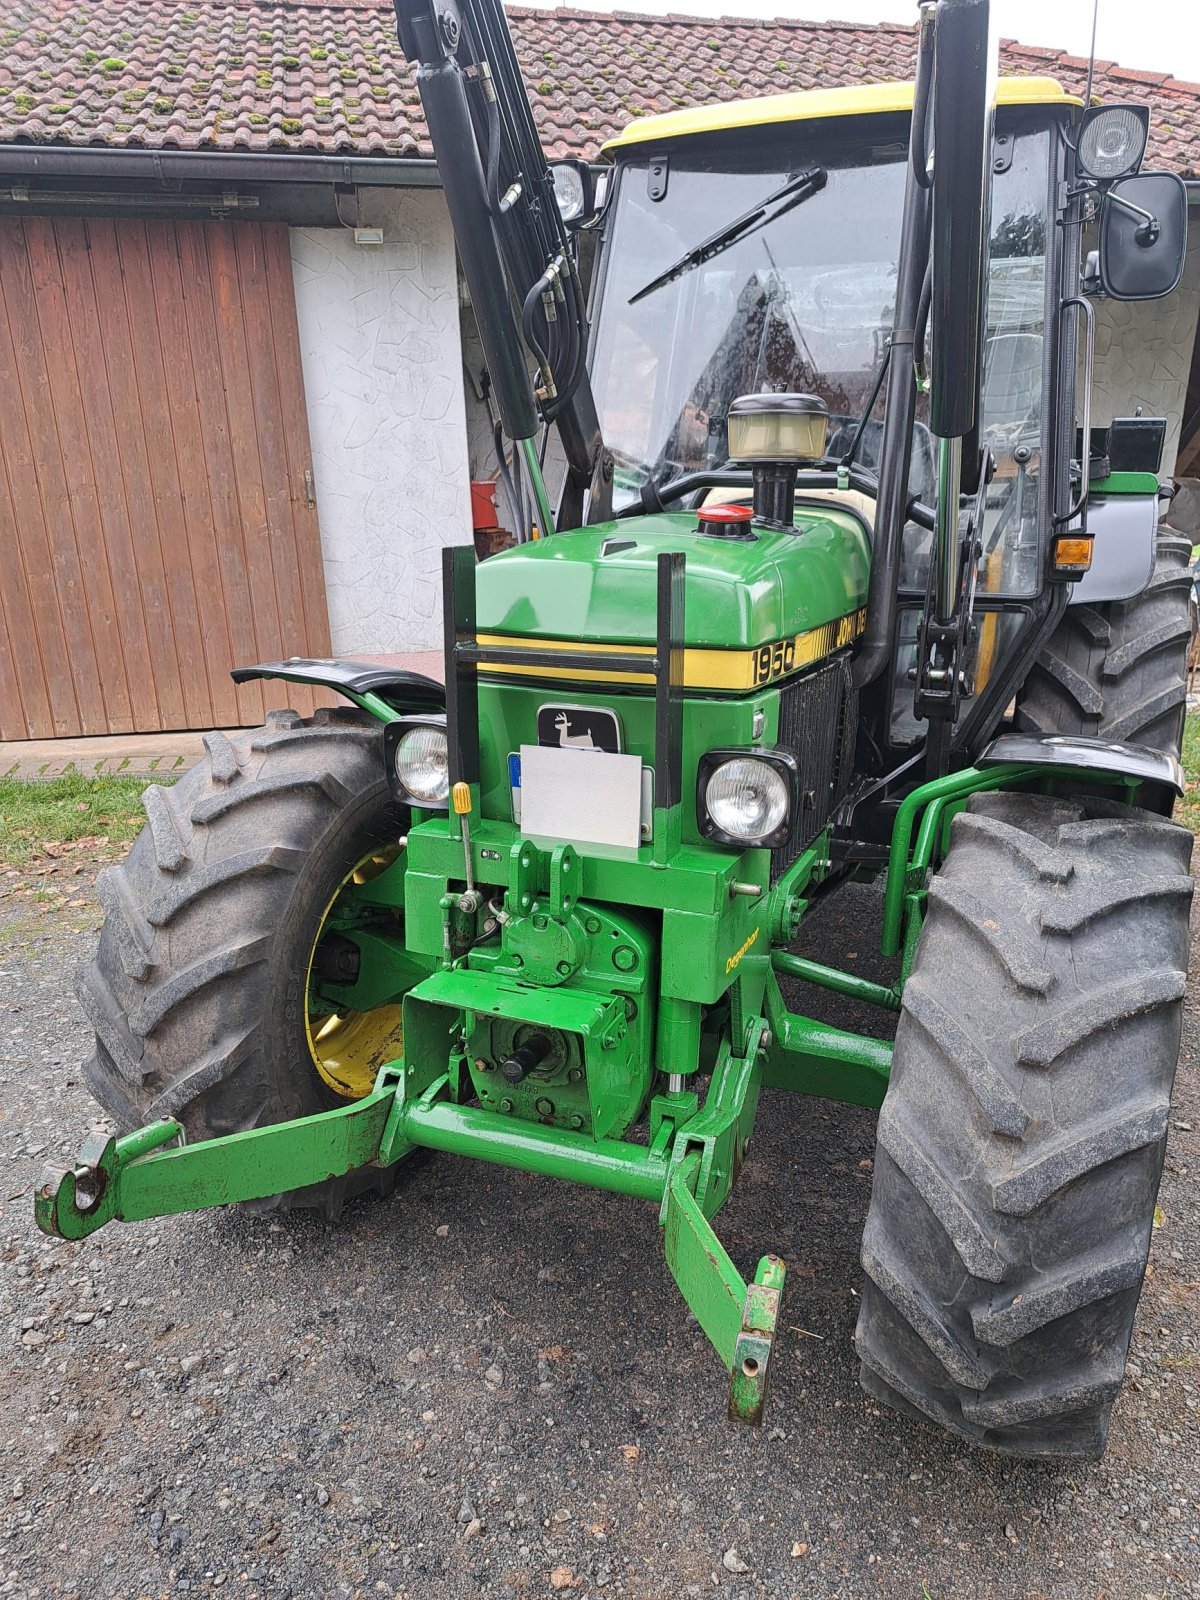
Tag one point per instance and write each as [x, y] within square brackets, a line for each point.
[330, 77]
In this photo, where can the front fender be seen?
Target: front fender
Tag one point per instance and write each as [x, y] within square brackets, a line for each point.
[1103, 757]
[381, 690]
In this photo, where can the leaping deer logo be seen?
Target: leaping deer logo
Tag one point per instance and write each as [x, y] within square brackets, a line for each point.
[569, 740]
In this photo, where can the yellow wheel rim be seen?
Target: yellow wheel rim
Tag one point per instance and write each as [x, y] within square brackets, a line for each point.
[349, 1047]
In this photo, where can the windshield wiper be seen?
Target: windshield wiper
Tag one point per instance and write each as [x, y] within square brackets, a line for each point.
[798, 188]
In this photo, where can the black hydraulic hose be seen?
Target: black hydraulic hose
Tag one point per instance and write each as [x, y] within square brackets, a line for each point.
[918, 137]
[921, 328]
[528, 311]
[493, 152]
[572, 314]
[578, 322]
[892, 506]
[560, 353]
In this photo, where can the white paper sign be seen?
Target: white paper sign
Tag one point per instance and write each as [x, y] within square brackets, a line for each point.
[581, 796]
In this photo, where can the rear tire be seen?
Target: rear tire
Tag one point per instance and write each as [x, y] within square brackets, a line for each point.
[1119, 671]
[198, 991]
[1021, 1141]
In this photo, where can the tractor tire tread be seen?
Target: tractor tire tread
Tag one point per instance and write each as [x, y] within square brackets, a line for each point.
[1117, 670]
[186, 993]
[223, 761]
[170, 852]
[1021, 1141]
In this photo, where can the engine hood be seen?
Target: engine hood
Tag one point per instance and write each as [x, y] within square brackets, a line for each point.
[600, 583]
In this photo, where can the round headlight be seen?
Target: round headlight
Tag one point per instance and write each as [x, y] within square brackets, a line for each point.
[1113, 141]
[747, 799]
[422, 765]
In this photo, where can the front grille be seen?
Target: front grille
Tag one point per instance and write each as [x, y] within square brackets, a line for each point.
[817, 717]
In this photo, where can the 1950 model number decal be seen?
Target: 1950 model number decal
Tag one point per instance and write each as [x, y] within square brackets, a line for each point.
[773, 660]
[776, 660]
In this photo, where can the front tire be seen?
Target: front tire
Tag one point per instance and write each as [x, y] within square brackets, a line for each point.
[1021, 1141]
[199, 989]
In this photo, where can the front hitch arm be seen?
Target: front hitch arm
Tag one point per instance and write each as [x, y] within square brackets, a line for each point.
[740, 1319]
[133, 1178]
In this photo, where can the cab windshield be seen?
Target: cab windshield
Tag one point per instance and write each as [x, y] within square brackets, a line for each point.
[803, 301]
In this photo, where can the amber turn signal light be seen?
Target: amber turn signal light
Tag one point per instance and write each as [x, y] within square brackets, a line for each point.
[1072, 555]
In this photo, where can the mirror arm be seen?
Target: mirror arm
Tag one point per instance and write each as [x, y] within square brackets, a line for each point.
[1149, 231]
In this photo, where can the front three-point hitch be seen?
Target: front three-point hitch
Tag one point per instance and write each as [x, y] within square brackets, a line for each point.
[687, 1169]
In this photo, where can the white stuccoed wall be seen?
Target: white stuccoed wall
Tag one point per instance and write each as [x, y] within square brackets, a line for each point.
[1144, 353]
[383, 377]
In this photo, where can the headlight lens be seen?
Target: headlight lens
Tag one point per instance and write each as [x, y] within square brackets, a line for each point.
[569, 190]
[422, 765]
[747, 799]
[1113, 141]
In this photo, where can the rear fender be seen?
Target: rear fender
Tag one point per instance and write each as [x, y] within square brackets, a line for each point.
[1124, 529]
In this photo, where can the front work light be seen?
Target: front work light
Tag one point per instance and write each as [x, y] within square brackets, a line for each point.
[574, 190]
[1112, 141]
[422, 764]
[747, 797]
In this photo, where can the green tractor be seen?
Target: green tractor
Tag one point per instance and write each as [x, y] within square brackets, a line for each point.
[833, 589]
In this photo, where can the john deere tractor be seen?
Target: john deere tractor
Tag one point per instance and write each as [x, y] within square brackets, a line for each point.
[835, 587]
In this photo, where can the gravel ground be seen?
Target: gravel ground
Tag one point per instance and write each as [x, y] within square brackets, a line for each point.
[487, 1385]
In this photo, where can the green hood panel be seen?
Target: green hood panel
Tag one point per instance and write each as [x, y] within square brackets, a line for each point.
[739, 594]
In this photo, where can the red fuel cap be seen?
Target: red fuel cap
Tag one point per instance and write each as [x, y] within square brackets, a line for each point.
[726, 522]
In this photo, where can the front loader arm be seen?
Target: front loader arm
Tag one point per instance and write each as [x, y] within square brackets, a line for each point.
[514, 247]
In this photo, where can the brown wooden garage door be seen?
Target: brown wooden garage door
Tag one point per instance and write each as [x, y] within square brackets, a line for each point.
[155, 517]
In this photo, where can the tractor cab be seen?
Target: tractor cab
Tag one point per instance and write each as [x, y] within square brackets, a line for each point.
[754, 248]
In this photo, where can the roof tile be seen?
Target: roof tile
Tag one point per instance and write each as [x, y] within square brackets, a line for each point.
[329, 75]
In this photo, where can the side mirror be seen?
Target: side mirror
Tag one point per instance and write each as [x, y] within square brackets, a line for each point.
[574, 191]
[1143, 236]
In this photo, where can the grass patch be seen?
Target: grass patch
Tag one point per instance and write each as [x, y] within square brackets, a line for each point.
[72, 815]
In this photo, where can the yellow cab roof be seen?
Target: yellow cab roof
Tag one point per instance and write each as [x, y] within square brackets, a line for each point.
[855, 100]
